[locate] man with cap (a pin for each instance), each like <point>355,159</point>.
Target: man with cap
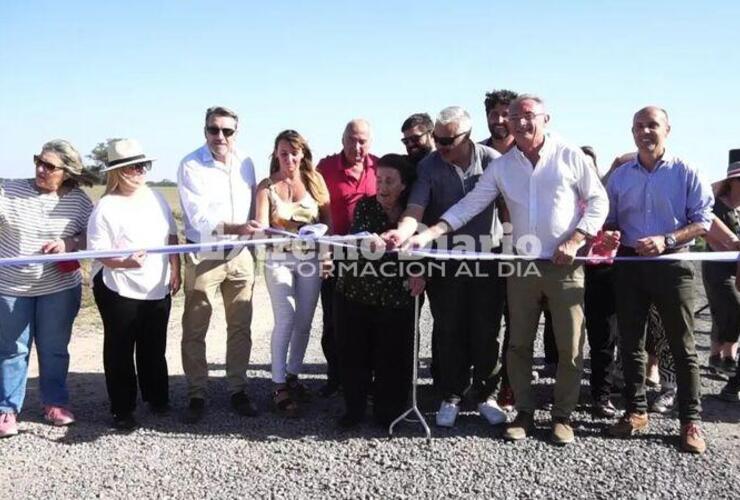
<point>658,205</point>
<point>217,185</point>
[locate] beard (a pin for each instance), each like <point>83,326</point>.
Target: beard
<point>419,153</point>
<point>499,133</point>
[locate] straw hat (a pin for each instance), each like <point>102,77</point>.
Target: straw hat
<point>733,169</point>
<point>123,152</point>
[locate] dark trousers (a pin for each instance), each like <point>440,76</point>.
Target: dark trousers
<point>133,326</point>
<point>328,336</point>
<point>599,308</point>
<point>670,286</point>
<point>467,314</point>
<point>374,340</point>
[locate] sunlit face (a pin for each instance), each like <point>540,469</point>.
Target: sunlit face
<point>289,157</point>
<point>356,143</point>
<point>220,132</point>
<point>135,175</point>
<point>527,123</point>
<point>498,120</point>
<point>50,173</point>
<point>450,142</point>
<point>389,186</point>
<point>418,142</point>
<point>650,130</point>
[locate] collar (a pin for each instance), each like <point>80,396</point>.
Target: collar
<point>206,157</point>
<point>665,159</point>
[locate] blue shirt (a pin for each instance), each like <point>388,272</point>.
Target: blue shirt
<point>644,203</point>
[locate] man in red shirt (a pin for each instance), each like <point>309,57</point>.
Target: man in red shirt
<point>350,176</point>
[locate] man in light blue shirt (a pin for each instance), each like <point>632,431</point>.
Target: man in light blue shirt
<point>658,205</point>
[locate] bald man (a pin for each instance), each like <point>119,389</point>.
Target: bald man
<point>658,205</point>
<point>349,176</point>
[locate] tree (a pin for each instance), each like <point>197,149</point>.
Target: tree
<point>99,156</point>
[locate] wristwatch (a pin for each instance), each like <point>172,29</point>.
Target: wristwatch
<point>670,241</point>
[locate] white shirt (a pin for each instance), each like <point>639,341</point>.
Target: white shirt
<point>212,192</point>
<point>547,203</point>
<point>141,220</point>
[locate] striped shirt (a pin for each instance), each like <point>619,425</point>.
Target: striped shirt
<point>28,219</point>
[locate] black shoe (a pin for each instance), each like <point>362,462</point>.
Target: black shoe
<point>329,390</point>
<point>159,409</point>
<point>604,408</point>
<point>349,421</point>
<point>242,405</point>
<point>195,410</point>
<point>125,422</point>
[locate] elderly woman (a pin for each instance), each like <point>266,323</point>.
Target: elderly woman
<point>292,196</point>
<point>39,302</point>
<point>133,292</point>
<point>374,312</point>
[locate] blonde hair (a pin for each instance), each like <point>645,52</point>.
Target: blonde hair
<point>113,180</point>
<point>309,175</point>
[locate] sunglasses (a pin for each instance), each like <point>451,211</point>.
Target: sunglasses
<point>49,167</point>
<point>412,139</point>
<point>228,132</point>
<point>448,141</point>
<point>139,168</point>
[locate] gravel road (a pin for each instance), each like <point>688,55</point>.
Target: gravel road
<point>228,457</point>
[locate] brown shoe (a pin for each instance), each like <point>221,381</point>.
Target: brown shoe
<point>692,439</point>
<point>562,432</point>
<point>520,427</point>
<point>629,425</point>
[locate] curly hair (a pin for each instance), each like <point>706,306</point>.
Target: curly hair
<point>496,97</point>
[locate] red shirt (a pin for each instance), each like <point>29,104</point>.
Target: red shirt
<point>344,190</point>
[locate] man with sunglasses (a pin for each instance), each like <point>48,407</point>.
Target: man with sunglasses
<point>349,176</point>
<point>217,185</point>
<point>417,136</point>
<point>543,181</point>
<point>466,299</point>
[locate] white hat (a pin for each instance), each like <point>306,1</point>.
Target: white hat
<point>123,152</point>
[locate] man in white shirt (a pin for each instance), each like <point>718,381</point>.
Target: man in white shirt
<point>217,186</point>
<point>556,200</point>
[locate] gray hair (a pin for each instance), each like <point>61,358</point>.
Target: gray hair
<point>71,162</point>
<point>528,97</point>
<point>355,122</point>
<point>221,111</point>
<point>456,114</point>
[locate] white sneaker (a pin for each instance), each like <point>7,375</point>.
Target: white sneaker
<point>492,412</point>
<point>447,414</point>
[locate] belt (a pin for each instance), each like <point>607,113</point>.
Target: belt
<point>625,251</point>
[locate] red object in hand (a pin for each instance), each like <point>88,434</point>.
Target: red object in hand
<point>599,253</point>
<point>68,266</point>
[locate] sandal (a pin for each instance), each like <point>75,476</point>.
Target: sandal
<point>283,402</point>
<point>297,390</point>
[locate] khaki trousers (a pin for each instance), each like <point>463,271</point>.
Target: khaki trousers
<point>234,276</point>
<point>562,286</point>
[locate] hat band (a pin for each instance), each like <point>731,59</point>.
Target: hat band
<point>125,160</point>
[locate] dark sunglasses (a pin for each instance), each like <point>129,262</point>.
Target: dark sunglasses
<point>49,167</point>
<point>447,141</point>
<point>139,168</point>
<point>413,139</point>
<point>228,132</point>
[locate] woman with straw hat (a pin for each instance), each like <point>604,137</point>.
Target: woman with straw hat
<point>133,293</point>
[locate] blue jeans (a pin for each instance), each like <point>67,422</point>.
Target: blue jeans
<point>48,320</point>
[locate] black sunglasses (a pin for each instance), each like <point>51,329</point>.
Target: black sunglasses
<point>228,132</point>
<point>49,167</point>
<point>413,139</point>
<point>448,141</point>
<point>139,168</point>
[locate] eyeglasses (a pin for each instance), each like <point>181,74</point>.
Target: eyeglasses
<point>413,139</point>
<point>228,132</point>
<point>527,117</point>
<point>139,168</point>
<point>49,167</point>
<point>448,141</point>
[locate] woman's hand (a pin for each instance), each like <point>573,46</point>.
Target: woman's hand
<point>54,246</point>
<point>135,260</point>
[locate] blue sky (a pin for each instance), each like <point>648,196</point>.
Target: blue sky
<point>86,71</point>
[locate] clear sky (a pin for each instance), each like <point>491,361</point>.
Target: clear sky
<point>89,70</point>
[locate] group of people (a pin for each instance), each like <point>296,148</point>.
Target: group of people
<point>522,190</point>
